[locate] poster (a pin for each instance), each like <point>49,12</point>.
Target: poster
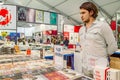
<point>60,23</point>
<point>53,18</point>
<point>21,13</point>
<point>66,35</point>
<point>7,17</point>
<point>68,28</point>
<point>30,15</point>
<point>58,57</point>
<point>47,17</point>
<point>39,18</point>
<point>71,38</point>
<point>118,18</point>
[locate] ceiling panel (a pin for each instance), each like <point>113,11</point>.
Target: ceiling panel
<point>112,8</point>
<point>105,2</point>
<point>70,7</point>
<point>17,2</point>
<point>54,2</point>
<point>37,5</point>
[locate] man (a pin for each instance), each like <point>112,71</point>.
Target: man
<point>66,42</point>
<point>96,39</point>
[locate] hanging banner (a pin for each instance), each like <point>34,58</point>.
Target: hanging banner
<point>71,38</point>
<point>7,17</point>
<point>30,17</point>
<point>47,17</point>
<point>113,25</point>
<point>53,18</point>
<point>66,35</point>
<point>60,23</point>
<point>21,13</point>
<point>118,18</point>
<point>68,28</point>
<point>39,18</point>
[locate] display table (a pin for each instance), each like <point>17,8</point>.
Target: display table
<point>35,70</point>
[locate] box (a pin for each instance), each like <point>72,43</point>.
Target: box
<point>115,62</point>
<point>100,73</point>
<point>113,74</point>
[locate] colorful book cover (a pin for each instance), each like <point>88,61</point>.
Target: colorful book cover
<point>56,76</point>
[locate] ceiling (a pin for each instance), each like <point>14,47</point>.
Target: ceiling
<point>70,8</point>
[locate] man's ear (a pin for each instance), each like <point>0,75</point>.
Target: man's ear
<point>91,12</point>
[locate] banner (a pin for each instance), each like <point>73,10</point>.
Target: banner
<point>47,17</point>
<point>39,18</point>
<point>30,17</point>
<point>53,18</point>
<point>7,17</point>
<point>21,13</point>
<point>58,57</point>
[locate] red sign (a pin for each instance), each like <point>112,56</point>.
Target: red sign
<point>5,17</point>
<point>113,25</point>
<point>76,28</point>
<point>66,35</point>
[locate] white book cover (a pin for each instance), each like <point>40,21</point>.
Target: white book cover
<point>100,73</point>
<point>113,74</point>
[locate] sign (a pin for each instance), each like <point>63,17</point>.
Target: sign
<point>53,18</point>
<point>68,28</point>
<point>66,35</point>
<point>118,18</point>
<point>39,18</point>
<point>47,17</point>
<point>58,57</point>
<point>100,73</point>
<point>30,17</point>
<point>60,23</point>
<point>21,13</point>
<point>58,49</point>
<point>7,17</point>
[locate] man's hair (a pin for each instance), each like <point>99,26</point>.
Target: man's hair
<point>90,7</point>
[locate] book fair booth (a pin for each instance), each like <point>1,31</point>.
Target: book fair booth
<point>37,51</point>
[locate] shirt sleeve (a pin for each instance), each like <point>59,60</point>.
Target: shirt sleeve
<point>111,43</point>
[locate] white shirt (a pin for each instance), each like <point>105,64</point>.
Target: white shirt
<point>98,40</point>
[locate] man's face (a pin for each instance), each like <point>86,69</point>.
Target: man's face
<point>85,15</point>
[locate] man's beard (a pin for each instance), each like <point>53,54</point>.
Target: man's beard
<point>87,21</point>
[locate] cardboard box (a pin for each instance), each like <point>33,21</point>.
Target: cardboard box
<point>113,74</point>
<point>100,73</point>
<point>115,62</point>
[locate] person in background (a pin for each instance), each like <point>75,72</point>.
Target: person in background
<point>78,47</point>
<point>66,42</point>
<point>96,39</point>
<point>57,41</point>
<point>48,41</point>
<point>40,37</point>
<point>33,40</point>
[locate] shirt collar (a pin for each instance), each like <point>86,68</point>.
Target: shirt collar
<point>95,22</point>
